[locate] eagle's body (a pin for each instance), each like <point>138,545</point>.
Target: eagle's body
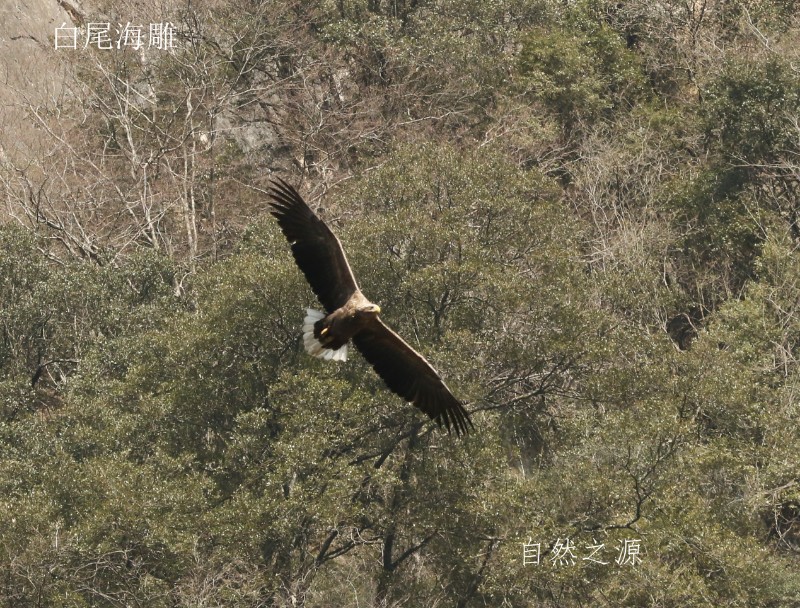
<point>351,316</point>
<point>335,330</point>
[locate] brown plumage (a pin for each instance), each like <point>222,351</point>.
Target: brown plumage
<point>320,257</point>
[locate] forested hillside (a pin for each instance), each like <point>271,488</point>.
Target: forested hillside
<point>585,214</point>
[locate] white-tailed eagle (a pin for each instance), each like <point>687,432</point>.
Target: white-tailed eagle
<point>350,316</point>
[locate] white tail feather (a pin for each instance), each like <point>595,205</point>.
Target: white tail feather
<point>313,346</point>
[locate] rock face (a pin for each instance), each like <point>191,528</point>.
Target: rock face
<point>30,72</point>
<point>33,21</point>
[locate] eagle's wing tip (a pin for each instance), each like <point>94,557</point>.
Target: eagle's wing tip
<point>458,423</point>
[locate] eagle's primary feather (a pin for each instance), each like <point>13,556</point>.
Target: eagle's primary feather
<point>320,257</point>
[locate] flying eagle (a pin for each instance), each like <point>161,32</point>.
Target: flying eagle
<point>350,316</point>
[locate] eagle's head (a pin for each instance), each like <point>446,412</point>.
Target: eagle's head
<point>370,310</point>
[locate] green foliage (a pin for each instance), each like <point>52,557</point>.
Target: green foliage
<point>727,234</point>
<point>533,192</point>
<point>749,110</point>
<point>581,70</point>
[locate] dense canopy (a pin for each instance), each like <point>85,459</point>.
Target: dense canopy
<point>585,213</point>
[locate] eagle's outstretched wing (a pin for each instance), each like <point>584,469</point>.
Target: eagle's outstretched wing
<point>316,249</point>
<point>410,375</point>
